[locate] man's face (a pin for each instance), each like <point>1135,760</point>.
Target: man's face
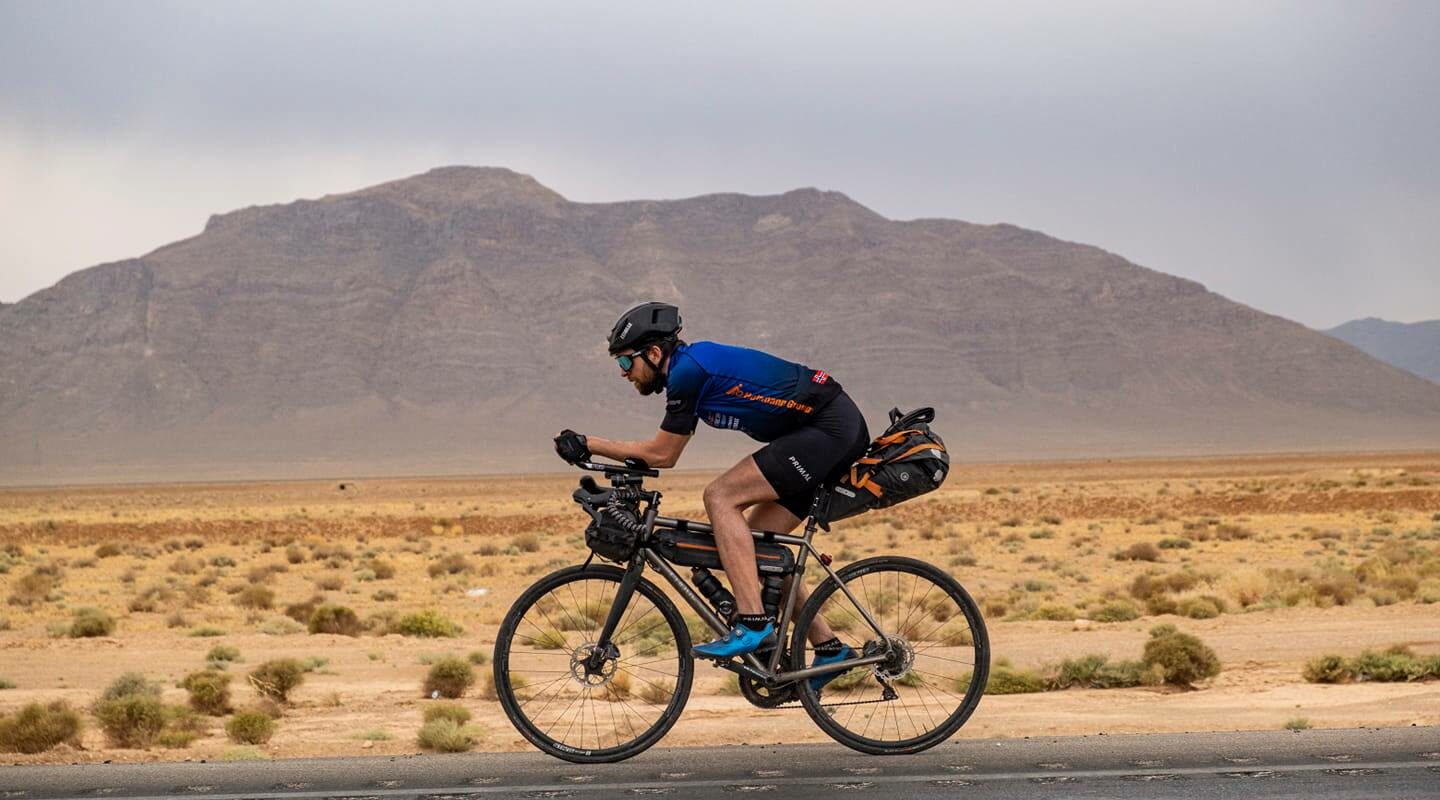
<point>640,374</point>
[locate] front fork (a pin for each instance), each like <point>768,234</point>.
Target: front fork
<point>604,648</point>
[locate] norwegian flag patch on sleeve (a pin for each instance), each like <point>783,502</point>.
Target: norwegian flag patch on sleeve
<point>820,376</point>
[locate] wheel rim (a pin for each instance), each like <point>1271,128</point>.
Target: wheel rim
<point>931,668</point>
<point>577,699</point>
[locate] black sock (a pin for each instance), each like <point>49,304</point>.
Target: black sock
<point>755,622</point>
<point>830,647</point>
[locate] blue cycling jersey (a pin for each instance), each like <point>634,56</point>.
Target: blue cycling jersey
<point>742,389</point>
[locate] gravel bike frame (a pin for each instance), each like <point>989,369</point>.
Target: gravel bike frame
<point>750,665</point>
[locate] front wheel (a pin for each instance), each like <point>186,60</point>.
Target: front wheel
<point>581,700</point>
<point>936,671</point>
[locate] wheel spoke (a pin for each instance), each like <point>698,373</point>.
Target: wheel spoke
<point>903,596</point>
<point>577,708</point>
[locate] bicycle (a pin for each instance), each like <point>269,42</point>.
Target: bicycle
<point>593,662</point>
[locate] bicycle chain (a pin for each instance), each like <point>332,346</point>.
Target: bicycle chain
<point>798,704</point>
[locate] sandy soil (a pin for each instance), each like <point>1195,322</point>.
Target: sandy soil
<point>1019,536</point>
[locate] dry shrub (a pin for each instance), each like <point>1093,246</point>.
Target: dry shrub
<point>444,736</point>
<point>1396,664</point>
<point>518,684</point>
<point>1096,671</point>
<point>1054,612</point>
<point>428,624</point>
<point>583,616</point>
<point>383,569</point>
<point>303,611</point>
<point>130,720</point>
<point>186,566</point>
<point>33,588</point>
<point>131,683</point>
<point>330,583</point>
<point>1152,584</point>
<point>1140,551</point>
<point>1115,611</point>
<point>222,654</point>
<point>152,599</point>
<point>1328,669</point>
<point>109,550</point>
<point>1005,678</point>
<point>209,691</point>
<point>526,543</point>
<point>1247,585</point>
<point>657,693</point>
<point>258,597</point>
<point>276,678</point>
<point>250,727</point>
<point>1200,606</point>
<point>335,619</point>
<point>91,622</point>
<point>956,634</point>
<point>1182,658</point>
<point>449,677</point>
<point>38,727</point>
<point>264,573</point>
<point>454,712</point>
<point>548,639</point>
<point>182,727</point>
<point>1334,587</point>
<point>618,688</point>
<point>294,554</point>
<point>1228,532</point>
<point>452,564</point>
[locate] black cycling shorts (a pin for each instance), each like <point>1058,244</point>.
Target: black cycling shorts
<point>821,451</point>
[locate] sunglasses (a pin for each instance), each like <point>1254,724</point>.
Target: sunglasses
<point>628,360</point>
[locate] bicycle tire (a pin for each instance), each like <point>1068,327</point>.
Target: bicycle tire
<point>979,648</point>
<point>542,737</point>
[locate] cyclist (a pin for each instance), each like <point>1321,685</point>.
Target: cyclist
<point>813,432</point>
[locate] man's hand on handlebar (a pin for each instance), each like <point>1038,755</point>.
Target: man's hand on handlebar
<point>572,447</point>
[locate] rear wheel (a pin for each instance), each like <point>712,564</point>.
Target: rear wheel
<point>939,657</point>
<point>576,700</point>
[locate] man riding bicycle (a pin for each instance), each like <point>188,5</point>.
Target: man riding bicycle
<point>812,429</point>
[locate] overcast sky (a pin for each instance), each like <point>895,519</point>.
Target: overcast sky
<point>1282,153</point>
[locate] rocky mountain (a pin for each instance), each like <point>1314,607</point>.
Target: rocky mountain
<point>451,321</point>
<point>1412,346</point>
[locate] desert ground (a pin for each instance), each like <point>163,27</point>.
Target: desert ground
<point>1284,558</point>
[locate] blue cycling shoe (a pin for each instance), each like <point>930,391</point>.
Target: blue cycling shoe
<point>818,682</point>
<point>739,641</point>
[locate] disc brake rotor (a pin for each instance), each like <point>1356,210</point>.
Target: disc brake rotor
<point>591,666</point>
<point>902,658</point>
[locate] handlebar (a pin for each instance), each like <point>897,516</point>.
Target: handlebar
<point>633,467</point>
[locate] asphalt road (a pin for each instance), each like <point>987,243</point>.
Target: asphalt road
<point>1315,765</point>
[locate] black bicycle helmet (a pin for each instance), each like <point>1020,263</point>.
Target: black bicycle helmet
<point>644,324</point>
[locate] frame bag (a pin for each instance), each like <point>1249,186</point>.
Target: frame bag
<point>906,461</point>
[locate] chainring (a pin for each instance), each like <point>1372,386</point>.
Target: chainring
<point>762,696</point>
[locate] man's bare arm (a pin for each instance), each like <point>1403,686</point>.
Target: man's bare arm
<point>662,451</point>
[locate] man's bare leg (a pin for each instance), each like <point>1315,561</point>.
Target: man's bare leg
<point>771,516</point>
<point>726,499</point>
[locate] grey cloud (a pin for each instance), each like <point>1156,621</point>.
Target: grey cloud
<point>1255,147</point>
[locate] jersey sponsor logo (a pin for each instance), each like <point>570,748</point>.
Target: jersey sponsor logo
<point>794,462</point>
<point>820,376</point>
<point>674,405</point>
<point>715,420</point>
<point>738,390</point>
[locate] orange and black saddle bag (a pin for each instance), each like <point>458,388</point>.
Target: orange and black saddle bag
<point>906,461</point>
